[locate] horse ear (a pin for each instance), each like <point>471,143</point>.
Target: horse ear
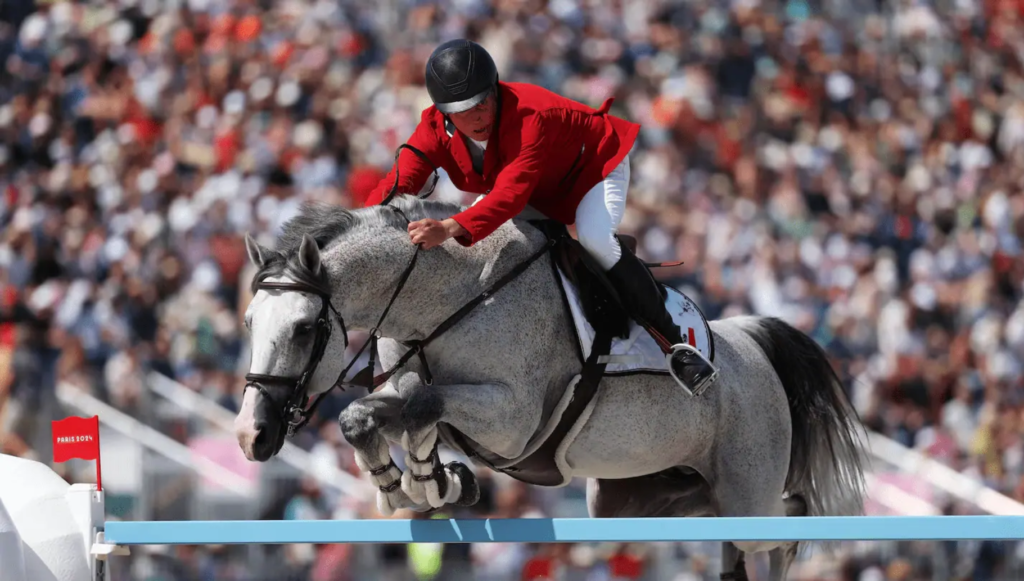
<point>257,254</point>
<point>309,254</point>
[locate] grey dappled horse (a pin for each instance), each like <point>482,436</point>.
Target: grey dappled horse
<point>773,436</point>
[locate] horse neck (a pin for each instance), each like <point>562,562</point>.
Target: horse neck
<point>365,271</point>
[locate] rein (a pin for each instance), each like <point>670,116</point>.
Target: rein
<point>297,411</point>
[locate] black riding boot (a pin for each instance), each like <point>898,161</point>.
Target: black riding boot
<point>644,299</point>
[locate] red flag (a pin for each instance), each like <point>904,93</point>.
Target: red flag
<point>78,438</point>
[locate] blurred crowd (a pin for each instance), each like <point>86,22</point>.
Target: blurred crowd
<point>853,167</point>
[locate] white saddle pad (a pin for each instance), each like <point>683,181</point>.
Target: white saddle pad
<point>639,352</point>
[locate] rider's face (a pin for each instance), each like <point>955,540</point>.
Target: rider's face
<point>478,121</point>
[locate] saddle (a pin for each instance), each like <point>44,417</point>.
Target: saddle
<point>601,302</point>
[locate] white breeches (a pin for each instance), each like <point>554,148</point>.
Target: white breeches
<point>598,215</point>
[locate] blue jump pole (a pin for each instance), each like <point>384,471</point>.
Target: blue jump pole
<point>567,530</point>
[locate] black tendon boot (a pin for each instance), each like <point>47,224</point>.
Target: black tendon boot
<point>644,299</point>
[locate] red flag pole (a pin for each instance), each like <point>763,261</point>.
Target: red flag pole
<point>99,471</point>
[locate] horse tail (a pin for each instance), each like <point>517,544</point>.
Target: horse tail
<point>826,465</point>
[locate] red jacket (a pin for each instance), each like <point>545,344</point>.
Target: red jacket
<point>546,151</point>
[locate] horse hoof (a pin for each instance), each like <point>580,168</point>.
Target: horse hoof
<point>385,504</point>
<point>389,502</point>
<point>425,481</point>
<point>470,494</point>
<point>416,491</point>
<point>423,508</point>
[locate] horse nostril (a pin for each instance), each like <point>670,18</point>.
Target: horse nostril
<point>261,439</point>
<point>261,435</point>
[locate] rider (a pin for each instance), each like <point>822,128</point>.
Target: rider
<point>520,144</point>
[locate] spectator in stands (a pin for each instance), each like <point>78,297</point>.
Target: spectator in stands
<point>854,168</point>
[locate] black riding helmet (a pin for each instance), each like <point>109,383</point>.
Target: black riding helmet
<point>460,74</point>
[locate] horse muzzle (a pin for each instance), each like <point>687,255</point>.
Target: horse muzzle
<point>263,423</point>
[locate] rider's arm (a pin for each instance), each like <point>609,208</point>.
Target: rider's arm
<point>513,187</point>
<point>412,171</point>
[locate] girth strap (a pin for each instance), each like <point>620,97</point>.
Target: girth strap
<point>540,468</point>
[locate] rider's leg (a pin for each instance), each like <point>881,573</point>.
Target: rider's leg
<point>597,221</point>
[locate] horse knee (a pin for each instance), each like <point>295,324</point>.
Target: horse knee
<point>423,409</point>
<point>358,425</point>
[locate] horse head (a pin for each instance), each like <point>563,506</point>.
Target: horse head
<point>292,324</point>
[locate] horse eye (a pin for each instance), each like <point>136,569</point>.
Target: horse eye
<point>304,329</point>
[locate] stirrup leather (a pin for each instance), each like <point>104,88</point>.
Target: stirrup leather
<point>702,384</point>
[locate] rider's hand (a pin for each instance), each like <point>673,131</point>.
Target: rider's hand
<point>431,233</point>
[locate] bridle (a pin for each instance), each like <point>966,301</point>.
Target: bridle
<point>296,410</point>
<point>293,411</point>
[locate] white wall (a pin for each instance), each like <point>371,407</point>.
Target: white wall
<point>11,556</point>
<point>53,548</point>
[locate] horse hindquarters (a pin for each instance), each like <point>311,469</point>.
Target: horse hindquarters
<point>737,436</point>
<point>739,431</point>
<point>826,465</point>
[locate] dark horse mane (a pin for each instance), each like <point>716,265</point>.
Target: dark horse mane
<point>326,223</point>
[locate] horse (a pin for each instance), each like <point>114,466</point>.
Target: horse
<point>774,436</point>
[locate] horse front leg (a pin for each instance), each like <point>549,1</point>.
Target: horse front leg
<point>363,424</point>
<point>426,480</point>
<point>486,413</point>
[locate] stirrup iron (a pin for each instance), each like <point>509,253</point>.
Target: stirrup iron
<point>703,383</point>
